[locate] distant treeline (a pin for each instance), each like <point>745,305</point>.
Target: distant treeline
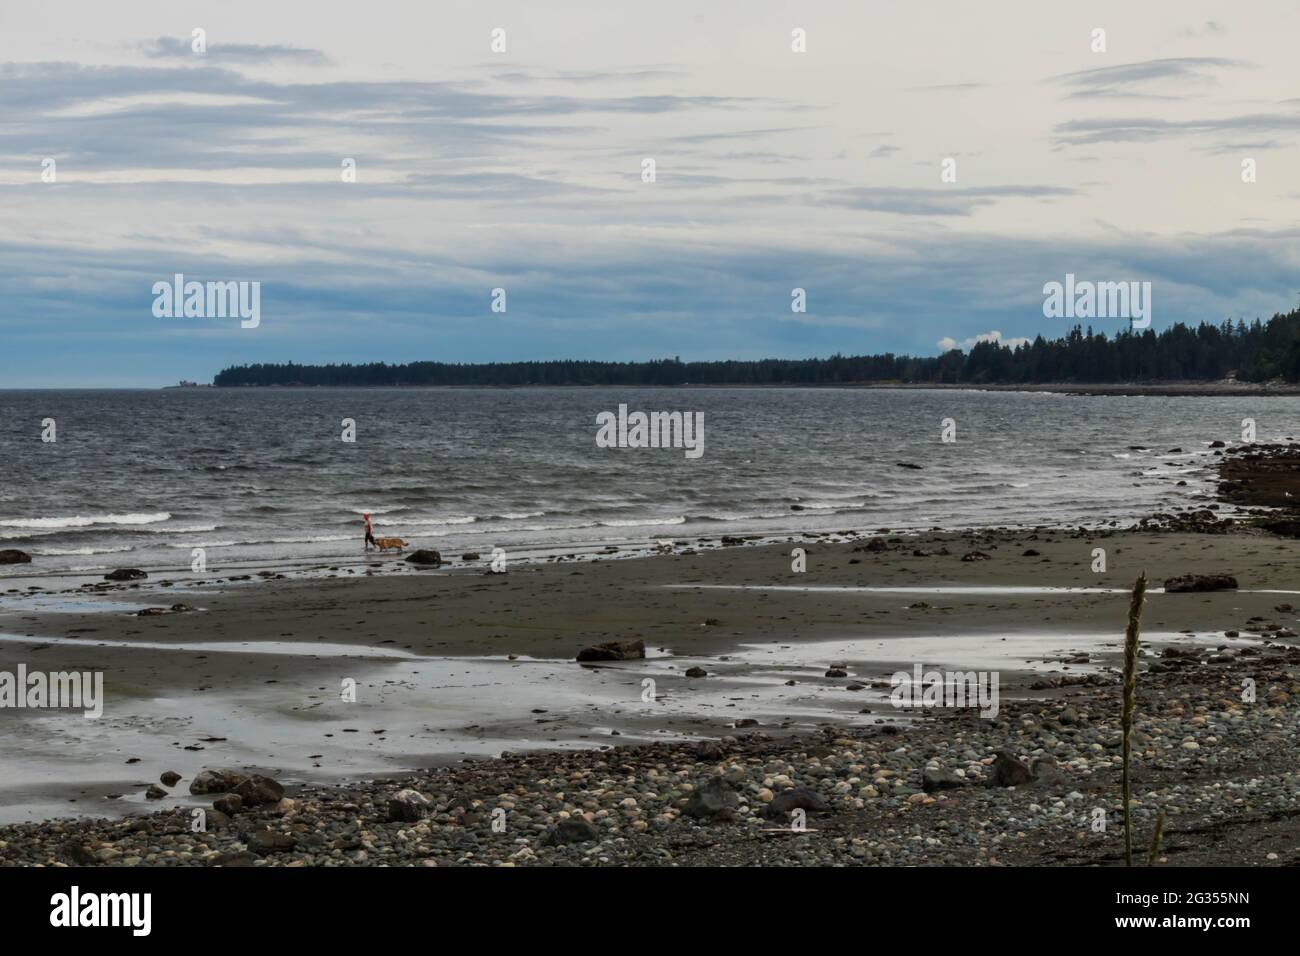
<point>1257,352</point>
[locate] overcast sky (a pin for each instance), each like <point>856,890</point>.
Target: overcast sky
<point>522,170</point>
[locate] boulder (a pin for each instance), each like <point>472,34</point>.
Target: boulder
<point>426,556</point>
<point>156,611</point>
<point>975,556</point>
<point>170,778</point>
<point>470,556</point>
<point>796,798</point>
<point>216,781</point>
<point>1047,774</point>
<point>125,574</point>
<point>155,792</point>
<point>712,800</point>
<point>572,830</point>
<point>258,790</point>
<point>613,651</point>
<point>228,805</point>
<point>407,806</point>
<point>1201,582</point>
<point>696,672</point>
<point>708,750</point>
<point>932,780</point>
<point>14,556</point>
<point>270,841</point>
<point>1008,771</point>
<point>217,820</point>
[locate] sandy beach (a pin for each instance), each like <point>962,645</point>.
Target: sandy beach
<point>459,662</point>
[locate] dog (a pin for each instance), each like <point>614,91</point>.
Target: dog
<point>397,544</point>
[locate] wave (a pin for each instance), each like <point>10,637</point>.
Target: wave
<point>310,539</point>
<point>81,521</point>
<point>425,522</point>
<point>640,522</point>
<point>58,552</point>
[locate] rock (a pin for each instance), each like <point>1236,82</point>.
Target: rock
<point>216,781</point>
<point>1030,553</point>
<point>1009,771</point>
<point>613,651</point>
<point>270,841</point>
<point>708,750</point>
<point>425,556</point>
<point>258,790</point>
<point>407,806</point>
<point>14,556</point>
<point>170,778</point>
<point>932,780</point>
<point>572,830</point>
<point>235,858</point>
<point>155,792</point>
<point>470,556</point>
<point>837,672</point>
<point>745,722</point>
<point>796,798</point>
<point>156,611</point>
<point>79,853</point>
<point>975,556</point>
<point>696,672</point>
<point>1046,773</point>
<point>1201,582</point>
<point>125,574</point>
<point>1217,444</point>
<point>228,805</point>
<point>908,465</point>
<point>712,800</point>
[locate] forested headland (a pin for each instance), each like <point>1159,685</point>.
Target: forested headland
<point>1255,352</point>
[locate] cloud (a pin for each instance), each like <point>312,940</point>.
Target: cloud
<point>947,344</point>
<point>952,201</point>
<point>1170,78</point>
<point>1148,129</point>
<point>175,48</point>
<point>1208,28</point>
<point>945,88</point>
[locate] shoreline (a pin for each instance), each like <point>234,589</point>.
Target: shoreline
<point>456,672</point>
<point>458,663</point>
<point>1189,389</point>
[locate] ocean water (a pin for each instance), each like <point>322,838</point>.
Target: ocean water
<point>262,478</point>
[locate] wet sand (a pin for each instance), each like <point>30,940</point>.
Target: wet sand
<point>261,665</point>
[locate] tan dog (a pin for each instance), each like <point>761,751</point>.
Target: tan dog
<point>397,544</point>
